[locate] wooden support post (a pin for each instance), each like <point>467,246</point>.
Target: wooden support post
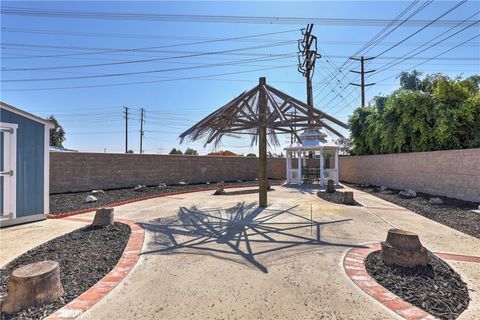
<point>262,146</point>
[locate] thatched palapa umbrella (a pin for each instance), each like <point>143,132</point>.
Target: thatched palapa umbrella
<point>260,112</point>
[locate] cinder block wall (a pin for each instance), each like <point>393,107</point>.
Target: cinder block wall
<point>452,173</point>
<point>77,171</point>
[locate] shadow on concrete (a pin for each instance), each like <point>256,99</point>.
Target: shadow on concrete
<point>244,231</point>
<point>312,188</point>
<point>240,192</point>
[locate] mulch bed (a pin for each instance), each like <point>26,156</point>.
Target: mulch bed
<point>335,197</point>
<point>436,288</point>
<point>453,213</point>
<point>68,202</point>
<point>85,256</point>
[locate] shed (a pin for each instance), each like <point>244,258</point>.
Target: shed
<point>24,166</point>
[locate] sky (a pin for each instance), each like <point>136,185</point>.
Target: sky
<point>83,62</point>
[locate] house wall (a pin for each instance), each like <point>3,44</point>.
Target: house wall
<point>30,163</point>
<point>452,173</point>
<point>77,171</point>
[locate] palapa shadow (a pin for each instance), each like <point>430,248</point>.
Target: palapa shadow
<point>240,225</point>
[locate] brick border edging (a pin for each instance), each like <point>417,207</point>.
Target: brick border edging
<point>121,203</point>
<point>354,266</point>
<point>89,298</point>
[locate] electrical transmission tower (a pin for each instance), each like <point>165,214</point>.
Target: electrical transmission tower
<point>362,72</point>
<point>142,120</point>
<point>307,55</point>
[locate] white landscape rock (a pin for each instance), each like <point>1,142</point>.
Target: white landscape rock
<point>239,180</point>
<point>97,191</point>
<point>140,188</point>
<point>90,199</point>
<point>183,183</point>
<point>208,182</point>
<point>435,200</point>
<point>408,193</point>
<point>162,185</point>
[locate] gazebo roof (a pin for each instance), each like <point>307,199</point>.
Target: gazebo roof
<point>242,116</point>
<point>312,140</point>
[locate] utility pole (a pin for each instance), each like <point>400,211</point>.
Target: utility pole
<point>362,72</point>
<point>307,55</point>
<point>142,113</point>
<point>126,128</point>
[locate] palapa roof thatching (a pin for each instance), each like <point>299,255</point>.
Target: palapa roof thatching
<point>241,116</point>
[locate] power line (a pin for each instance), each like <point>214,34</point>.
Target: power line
<point>110,75</point>
<point>432,58</point>
<point>122,16</point>
<point>382,34</point>
<point>283,43</point>
<point>146,82</point>
<point>424,27</point>
<point>180,38</point>
<point>406,56</point>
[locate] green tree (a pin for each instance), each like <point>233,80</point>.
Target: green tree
<point>190,152</point>
<point>410,80</point>
<point>433,113</point>
<point>345,144</point>
<point>57,134</point>
<point>175,151</point>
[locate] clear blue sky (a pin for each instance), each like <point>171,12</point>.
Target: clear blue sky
<point>92,114</point>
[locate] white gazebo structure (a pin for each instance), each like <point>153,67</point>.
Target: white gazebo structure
<point>312,142</point>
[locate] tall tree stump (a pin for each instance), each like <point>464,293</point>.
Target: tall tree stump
<point>220,188</point>
<point>348,198</point>
<point>403,248</point>
<point>330,186</point>
<point>33,285</point>
<point>103,217</point>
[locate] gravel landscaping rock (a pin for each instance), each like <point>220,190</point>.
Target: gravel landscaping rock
<point>409,193</point>
<point>335,197</point>
<point>454,213</point>
<point>89,199</point>
<point>140,188</point>
<point>435,288</point>
<point>85,256</point>
<point>435,200</point>
<point>68,202</point>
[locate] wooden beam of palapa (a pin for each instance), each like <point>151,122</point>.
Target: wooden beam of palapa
<point>304,105</point>
<point>281,115</point>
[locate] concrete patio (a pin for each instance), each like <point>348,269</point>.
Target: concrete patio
<point>220,257</point>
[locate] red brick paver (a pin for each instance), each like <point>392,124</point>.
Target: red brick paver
<point>355,269</point>
<point>86,300</point>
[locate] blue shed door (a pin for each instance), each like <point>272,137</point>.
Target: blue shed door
<point>8,156</point>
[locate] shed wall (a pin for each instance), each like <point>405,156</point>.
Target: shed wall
<point>30,163</point>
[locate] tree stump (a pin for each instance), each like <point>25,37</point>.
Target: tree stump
<point>33,285</point>
<point>330,186</point>
<point>403,248</point>
<point>348,198</point>
<point>103,217</point>
<point>220,188</point>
